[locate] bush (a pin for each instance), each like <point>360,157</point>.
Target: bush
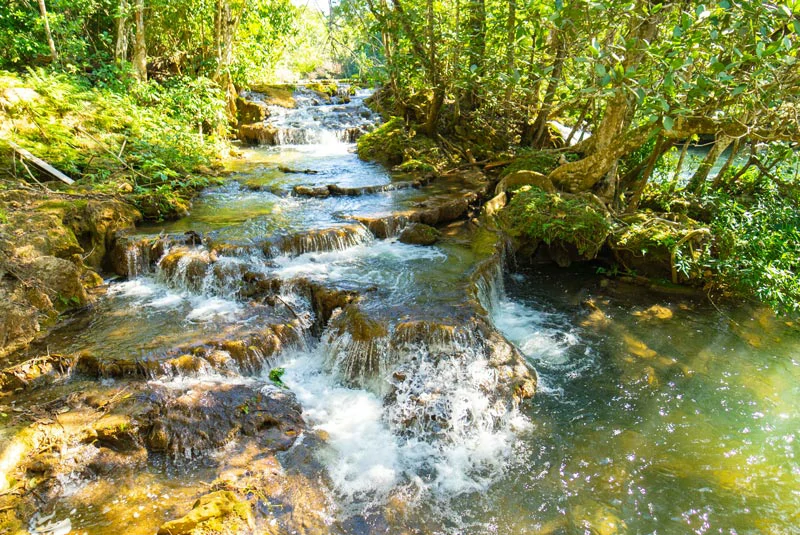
<point>757,249</point>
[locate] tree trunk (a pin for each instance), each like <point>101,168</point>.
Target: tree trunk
<point>139,44</point>
<point>724,169</point>
<point>613,139</point>
<point>677,176</point>
<point>539,129</point>
<point>121,45</point>
<point>434,76</point>
<point>47,33</point>
<point>583,174</point>
<point>698,181</point>
<point>659,149</point>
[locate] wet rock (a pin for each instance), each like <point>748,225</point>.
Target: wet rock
<point>596,519</point>
<point>383,227</point>
<point>419,234</point>
<point>186,267</point>
<point>655,312</point>
<point>258,134</point>
<point>189,423</point>
<point>134,255</point>
<point>515,377</point>
<point>357,345</point>
<point>251,111</point>
<point>518,179</point>
<point>289,170</point>
<point>108,462</point>
<point>312,191</point>
<point>217,512</point>
<point>323,240</point>
<point>34,372</point>
<point>324,301</point>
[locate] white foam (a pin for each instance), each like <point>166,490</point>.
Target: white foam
<point>211,308</point>
<point>374,451</point>
<point>364,454</point>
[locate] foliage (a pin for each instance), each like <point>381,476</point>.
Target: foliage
<point>275,375</point>
<point>554,217</point>
<point>148,138</point>
<point>757,248</point>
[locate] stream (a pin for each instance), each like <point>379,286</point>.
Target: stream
<point>653,413</point>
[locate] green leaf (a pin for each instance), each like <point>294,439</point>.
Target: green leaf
<point>668,122</point>
<point>600,69</point>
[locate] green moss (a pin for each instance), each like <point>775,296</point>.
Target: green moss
<point>549,217</point>
<point>326,89</point>
<point>542,161</point>
<point>386,144</point>
<point>413,165</point>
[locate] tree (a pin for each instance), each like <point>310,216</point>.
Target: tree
<point>48,34</point>
<point>139,43</point>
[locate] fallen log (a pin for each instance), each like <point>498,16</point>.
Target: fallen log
<point>40,164</point>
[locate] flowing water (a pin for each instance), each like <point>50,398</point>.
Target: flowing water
<point>653,414</point>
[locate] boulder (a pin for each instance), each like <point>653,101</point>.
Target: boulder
<point>419,234</point>
<point>258,134</point>
<point>189,423</point>
<point>251,111</point>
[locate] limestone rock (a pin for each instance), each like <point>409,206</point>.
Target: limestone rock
<point>419,234</point>
<point>251,111</point>
<point>61,280</point>
<point>258,134</point>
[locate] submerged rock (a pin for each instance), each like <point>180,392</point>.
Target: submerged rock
<point>217,512</point>
<point>419,234</point>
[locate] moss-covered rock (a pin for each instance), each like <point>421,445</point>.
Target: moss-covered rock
<point>161,206</point>
<point>419,234</point>
<point>250,111</point>
<point>276,95</point>
<point>534,216</point>
<point>386,144</point>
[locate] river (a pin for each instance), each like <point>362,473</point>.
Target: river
<point>654,413</point>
